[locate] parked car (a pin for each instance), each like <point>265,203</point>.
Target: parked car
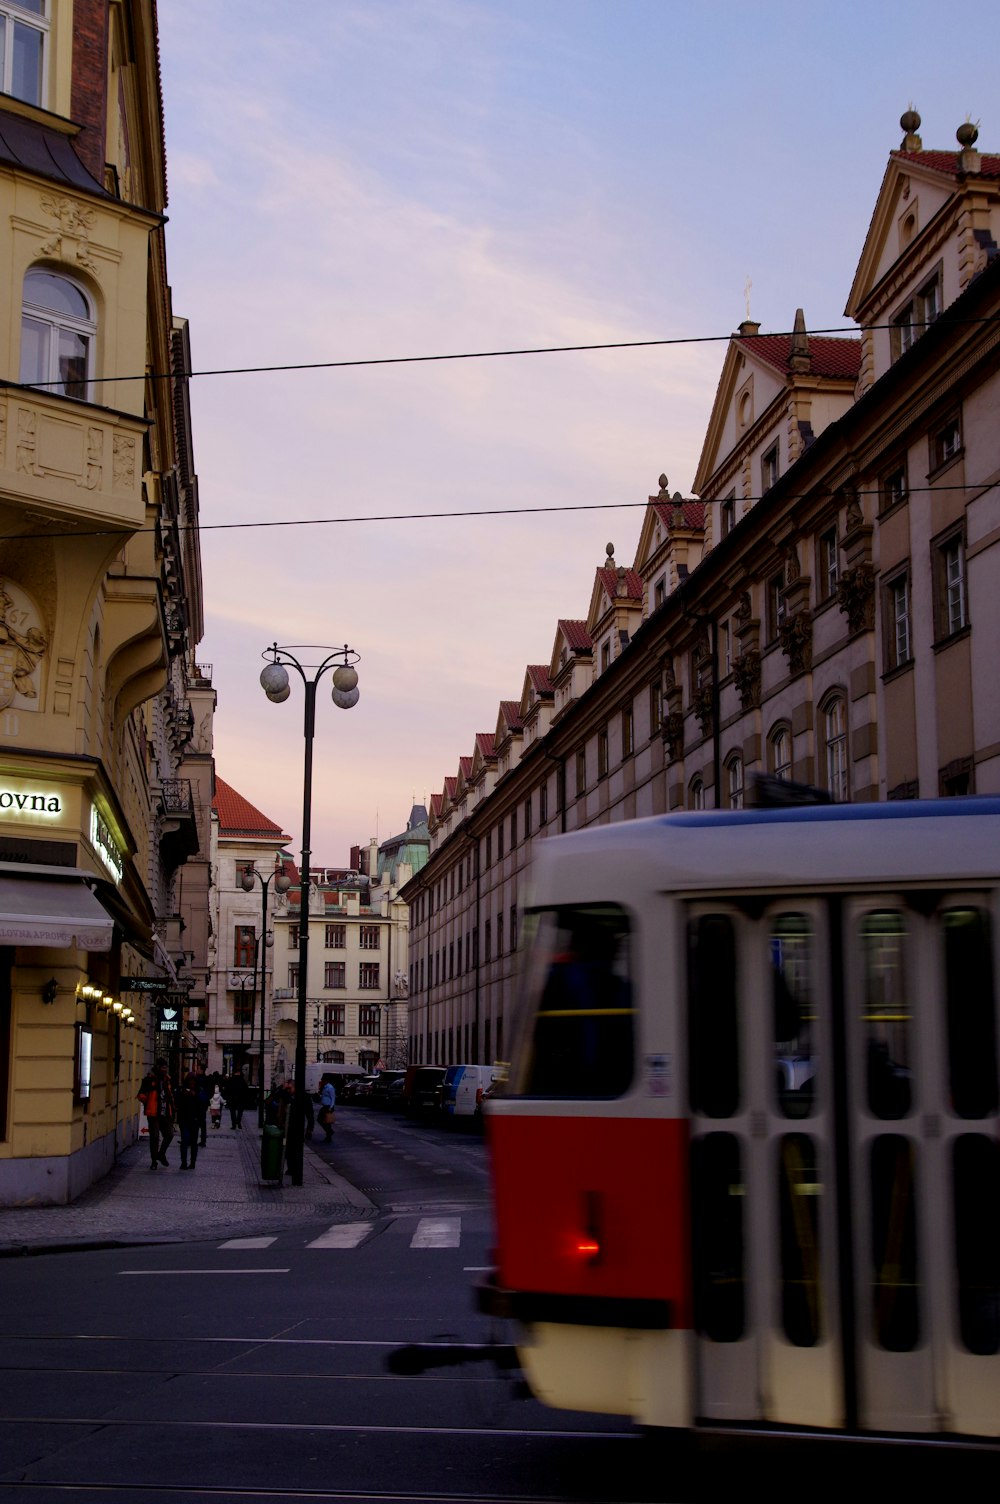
<point>424,1099</point>
<point>356,1090</point>
<point>378,1096</point>
<point>394,1095</point>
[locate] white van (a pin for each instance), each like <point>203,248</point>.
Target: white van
<point>463,1088</point>
<point>317,1069</point>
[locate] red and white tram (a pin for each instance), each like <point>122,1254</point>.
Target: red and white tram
<point>746,1168</point>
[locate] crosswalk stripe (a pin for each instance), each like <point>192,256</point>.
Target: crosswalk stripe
<point>345,1235</point>
<point>249,1243</point>
<point>437,1232</point>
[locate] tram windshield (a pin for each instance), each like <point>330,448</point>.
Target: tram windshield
<point>577,1029</point>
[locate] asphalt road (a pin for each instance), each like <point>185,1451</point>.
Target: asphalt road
<point>259,1368</point>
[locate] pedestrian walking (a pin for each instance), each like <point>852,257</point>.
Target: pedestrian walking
<point>189,1120</point>
<point>156,1093</point>
<point>235,1092</point>
<point>215,1106</point>
<point>294,1124</point>
<point>203,1091</point>
<point>327,1103</point>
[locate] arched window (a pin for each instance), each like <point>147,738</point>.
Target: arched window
<point>835,748</point>
<point>57,335</point>
<point>696,794</point>
<point>780,748</point>
<point>734,781</point>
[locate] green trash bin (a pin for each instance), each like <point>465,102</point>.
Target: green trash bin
<point>272,1152</point>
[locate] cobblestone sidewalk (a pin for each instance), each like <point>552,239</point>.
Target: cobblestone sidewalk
<point>223,1195</point>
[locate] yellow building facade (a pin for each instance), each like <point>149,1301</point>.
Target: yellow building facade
<point>105,716</point>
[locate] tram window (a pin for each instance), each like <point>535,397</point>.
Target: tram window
<point>713,1023</point>
<point>895,1279</point>
<point>582,1039</point>
<point>976,1191</point>
<point>794,1015</point>
<point>717,1193</point>
<point>799,1196</point>
<point>886,1015</point>
<point>972,1034</point>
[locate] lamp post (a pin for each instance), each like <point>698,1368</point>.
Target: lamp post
<point>282,883</point>
<point>247,980</point>
<point>274,681</point>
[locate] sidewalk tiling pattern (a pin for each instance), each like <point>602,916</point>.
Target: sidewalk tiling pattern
<point>224,1194</point>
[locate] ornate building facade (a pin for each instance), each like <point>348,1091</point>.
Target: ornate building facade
<point>105,714</point>
<point>824,610</point>
<point>358,984</point>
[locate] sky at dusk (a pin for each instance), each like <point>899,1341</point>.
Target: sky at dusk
<point>355,179</point>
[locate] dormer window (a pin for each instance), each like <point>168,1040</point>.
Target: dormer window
<point>605,656</point>
<point>727,515</point>
<point>659,592</point>
<point>911,320</point>
<point>23,29</point>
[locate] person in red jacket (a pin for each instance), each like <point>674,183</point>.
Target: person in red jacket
<point>156,1093</point>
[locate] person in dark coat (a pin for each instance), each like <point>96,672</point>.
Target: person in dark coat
<point>189,1120</point>
<point>234,1089</point>
<point>203,1090</point>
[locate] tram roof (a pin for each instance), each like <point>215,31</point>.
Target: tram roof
<point>819,846</point>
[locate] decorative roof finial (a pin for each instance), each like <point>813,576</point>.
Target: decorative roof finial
<point>663,483</point>
<point>609,562</point>
<point>909,122</point>
<point>799,357</point>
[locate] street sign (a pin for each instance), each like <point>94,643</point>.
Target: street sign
<point>156,984</point>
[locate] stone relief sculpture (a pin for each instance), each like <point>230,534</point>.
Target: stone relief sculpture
<point>73,222</point>
<point>26,440</point>
<point>123,461</point>
<point>22,645</point>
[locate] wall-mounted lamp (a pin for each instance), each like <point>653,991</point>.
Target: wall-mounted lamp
<point>50,991</point>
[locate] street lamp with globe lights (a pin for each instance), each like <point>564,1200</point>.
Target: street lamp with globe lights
<point>282,883</point>
<point>275,684</point>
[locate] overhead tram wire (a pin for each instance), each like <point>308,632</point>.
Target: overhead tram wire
<point>389,360</point>
<point>402,360</point>
<point>583,506</point>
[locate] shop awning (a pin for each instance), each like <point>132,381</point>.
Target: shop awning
<point>61,914</point>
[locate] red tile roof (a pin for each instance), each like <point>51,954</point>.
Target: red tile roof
<point>538,673</point>
<point>576,635</point>
<point>484,742</point>
<point>465,766</point>
<point>511,712</point>
<point>238,817</point>
<point>436,800</point>
<point>450,785</point>
<point>830,356</point>
<point>948,161</point>
<point>692,513</point>
<point>632,583</point>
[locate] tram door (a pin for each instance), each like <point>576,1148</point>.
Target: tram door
<point>844,1273</point>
